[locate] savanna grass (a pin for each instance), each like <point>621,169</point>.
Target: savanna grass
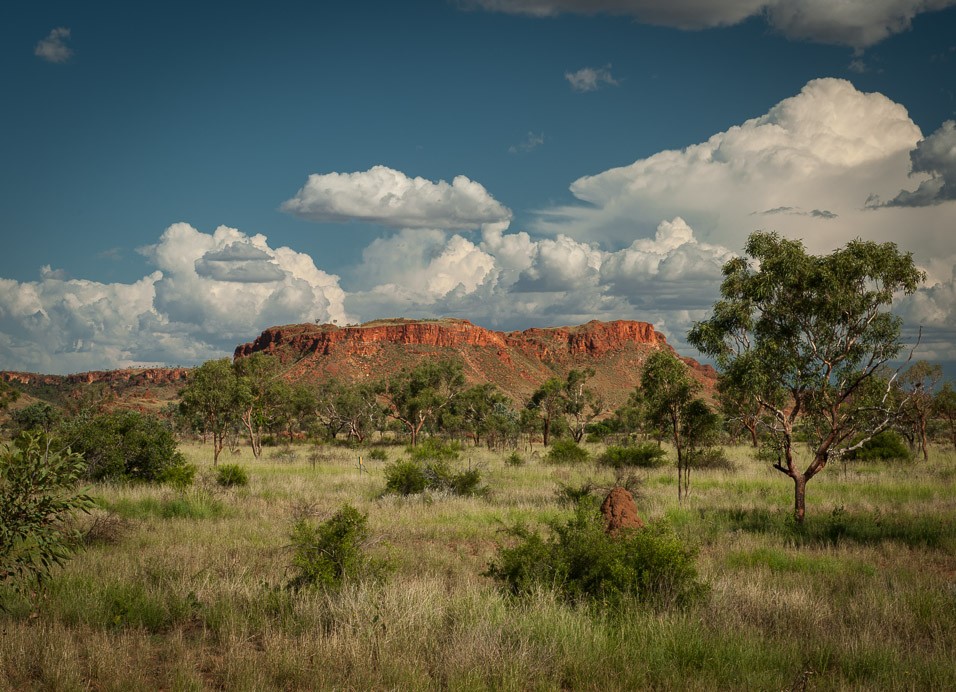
<point>190,594</point>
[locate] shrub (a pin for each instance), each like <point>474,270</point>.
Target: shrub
<point>432,448</point>
<point>37,497</point>
<point>377,454</point>
<point>583,563</point>
<point>327,554</point>
<point>574,495</point>
<point>231,476</point>
<point>566,452</point>
<point>709,459</point>
<point>122,445</point>
<point>883,446</point>
<point>180,477</point>
<point>408,477</point>
<point>647,456</point>
<point>514,459</point>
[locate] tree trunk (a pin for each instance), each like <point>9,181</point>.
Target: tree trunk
<point>922,438</point>
<point>218,440</point>
<point>799,497</point>
<point>753,435</point>
<point>547,430</point>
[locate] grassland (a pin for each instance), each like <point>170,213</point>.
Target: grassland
<point>184,590</point>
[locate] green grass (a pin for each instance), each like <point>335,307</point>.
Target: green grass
<point>188,594</point>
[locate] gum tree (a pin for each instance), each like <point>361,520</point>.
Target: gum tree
<point>809,338</point>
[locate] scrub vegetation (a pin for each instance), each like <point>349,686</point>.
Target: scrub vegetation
<point>192,588</point>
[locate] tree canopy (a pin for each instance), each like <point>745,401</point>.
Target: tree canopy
<point>807,337</point>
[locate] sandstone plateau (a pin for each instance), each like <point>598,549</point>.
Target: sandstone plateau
<point>517,362</point>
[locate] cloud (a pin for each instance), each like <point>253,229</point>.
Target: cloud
<point>809,163</point>
<point>512,281</point>
<point>936,157</point>
<point>590,78</point>
<point>856,23</point>
<point>388,197</point>
<point>815,213</point>
<point>208,293</point>
<point>53,48</point>
<point>531,142</point>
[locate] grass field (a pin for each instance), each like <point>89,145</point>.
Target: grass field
<point>184,590</point>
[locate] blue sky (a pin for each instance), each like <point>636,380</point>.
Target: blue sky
<point>179,176</point>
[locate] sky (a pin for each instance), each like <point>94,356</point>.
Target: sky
<point>176,177</point>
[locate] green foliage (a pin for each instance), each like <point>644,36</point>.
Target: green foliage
<point>417,397</point>
<point>122,445</point>
<point>377,454</point>
<point>326,554</point>
<point>38,416</point>
<point>232,476</point>
<point>709,459</point>
<point>583,563</point>
<point>432,448</point>
<point>884,446</point>
<point>573,494</point>
<point>647,455</point>
<point>411,477</point>
<point>210,401</point>
<point>405,477</point>
<point>566,452</point>
<point>514,459</point>
<point>37,497</point>
<point>179,477</point>
<point>807,337</point>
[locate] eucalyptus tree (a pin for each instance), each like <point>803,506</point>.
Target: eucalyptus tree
<point>918,384</point>
<point>417,397</point>
<point>211,400</point>
<point>671,405</point>
<point>808,337</point>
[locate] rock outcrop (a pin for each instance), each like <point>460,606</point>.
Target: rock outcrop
<point>517,362</point>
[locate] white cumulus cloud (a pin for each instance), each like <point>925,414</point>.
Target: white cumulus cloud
<point>53,48</point>
<point>208,293</point>
<point>388,197</point>
<point>805,168</point>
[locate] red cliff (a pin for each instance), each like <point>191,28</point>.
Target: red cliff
<point>517,362</point>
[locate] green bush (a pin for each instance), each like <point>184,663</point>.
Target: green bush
<point>514,459</point>
<point>409,477</point>
<point>573,495</point>
<point>327,554</point>
<point>566,451</point>
<point>646,456</point>
<point>582,563</point>
<point>433,449</point>
<point>885,446</point>
<point>180,477</point>
<point>709,459</point>
<point>37,497</point>
<point>377,454</point>
<point>231,476</point>
<point>404,477</point>
<point>122,445</point>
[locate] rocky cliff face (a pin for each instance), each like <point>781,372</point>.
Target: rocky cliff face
<point>133,377</point>
<point>517,362</point>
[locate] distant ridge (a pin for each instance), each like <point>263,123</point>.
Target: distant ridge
<point>517,362</point>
